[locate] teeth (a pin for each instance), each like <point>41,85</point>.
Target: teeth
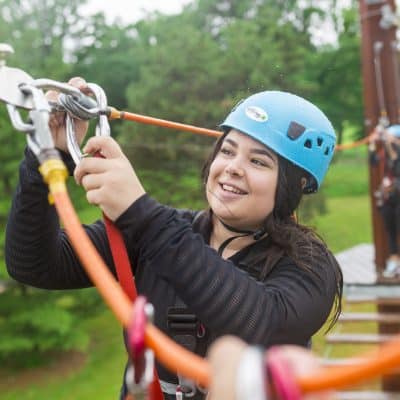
<point>232,189</point>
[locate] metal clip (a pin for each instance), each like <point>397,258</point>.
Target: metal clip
<point>186,388</point>
<point>39,138</point>
<point>76,108</point>
<point>140,373</point>
<point>20,90</point>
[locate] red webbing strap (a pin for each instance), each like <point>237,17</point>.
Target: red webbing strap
<point>121,259</point>
<point>127,282</point>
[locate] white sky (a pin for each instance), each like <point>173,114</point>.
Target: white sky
<point>129,11</point>
<point>132,10</point>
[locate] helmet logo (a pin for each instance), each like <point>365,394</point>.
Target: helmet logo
<point>256,113</point>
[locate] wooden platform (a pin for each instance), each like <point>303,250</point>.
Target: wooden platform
<point>379,294</point>
<point>367,395</point>
<point>381,318</point>
<point>357,338</point>
<point>358,264</point>
<point>362,285</point>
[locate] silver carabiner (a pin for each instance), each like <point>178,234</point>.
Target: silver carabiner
<point>102,126</point>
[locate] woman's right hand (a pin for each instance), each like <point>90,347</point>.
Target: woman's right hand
<point>57,119</point>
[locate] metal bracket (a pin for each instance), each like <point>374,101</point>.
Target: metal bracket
<point>11,79</point>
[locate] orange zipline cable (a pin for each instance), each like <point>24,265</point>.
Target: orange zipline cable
<point>346,146</point>
<point>144,119</point>
<point>170,354</point>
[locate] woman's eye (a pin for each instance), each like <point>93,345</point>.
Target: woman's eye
<point>226,151</point>
<point>259,162</point>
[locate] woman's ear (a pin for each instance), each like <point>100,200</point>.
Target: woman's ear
<point>303,182</point>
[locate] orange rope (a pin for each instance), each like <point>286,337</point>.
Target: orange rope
<point>144,119</point>
<point>173,356</point>
<point>346,146</point>
<point>374,364</point>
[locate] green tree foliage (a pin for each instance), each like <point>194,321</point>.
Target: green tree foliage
<point>40,32</point>
<point>195,66</point>
<point>35,322</point>
<point>336,70</point>
<point>108,56</point>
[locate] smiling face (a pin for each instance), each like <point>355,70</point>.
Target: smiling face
<point>242,181</point>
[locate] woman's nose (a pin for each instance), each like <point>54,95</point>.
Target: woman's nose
<point>234,168</point>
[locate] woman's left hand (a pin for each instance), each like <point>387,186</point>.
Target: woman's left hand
<point>109,180</point>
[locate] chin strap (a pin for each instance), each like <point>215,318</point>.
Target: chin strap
<point>258,234</point>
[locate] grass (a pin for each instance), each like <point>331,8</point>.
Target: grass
<point>346,223</point>
<point>97,377</point>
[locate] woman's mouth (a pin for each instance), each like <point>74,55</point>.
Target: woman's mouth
<point>232,189</point>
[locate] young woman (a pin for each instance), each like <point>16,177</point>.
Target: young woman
<point>243,267</point>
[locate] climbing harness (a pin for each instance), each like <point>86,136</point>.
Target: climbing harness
<point>186,330</point>
<point>19,90</point>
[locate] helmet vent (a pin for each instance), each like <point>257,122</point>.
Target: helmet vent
<point>320,141</point>
<point>326,152</point>
<point>295,130</point>
<point>308,144</point>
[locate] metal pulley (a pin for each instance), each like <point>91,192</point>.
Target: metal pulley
<point>10,81</point>
<point>19,90</point>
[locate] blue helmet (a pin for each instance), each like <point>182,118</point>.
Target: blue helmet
<point>289,125</point>
<point>394,130</point>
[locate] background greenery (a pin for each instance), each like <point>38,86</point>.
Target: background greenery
<point>192,68</point>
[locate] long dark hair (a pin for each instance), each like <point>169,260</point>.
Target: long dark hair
<point>287,235</point>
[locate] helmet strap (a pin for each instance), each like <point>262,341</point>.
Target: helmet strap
<point>258,234</point>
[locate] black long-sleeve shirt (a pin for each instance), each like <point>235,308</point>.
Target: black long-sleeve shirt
<point>171,255</point>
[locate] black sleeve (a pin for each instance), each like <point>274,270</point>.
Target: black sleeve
<point>37,250</point>
<point>288,308</point>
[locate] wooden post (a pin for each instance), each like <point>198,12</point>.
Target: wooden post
<point>380,97</point>
<point>380,78</point>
